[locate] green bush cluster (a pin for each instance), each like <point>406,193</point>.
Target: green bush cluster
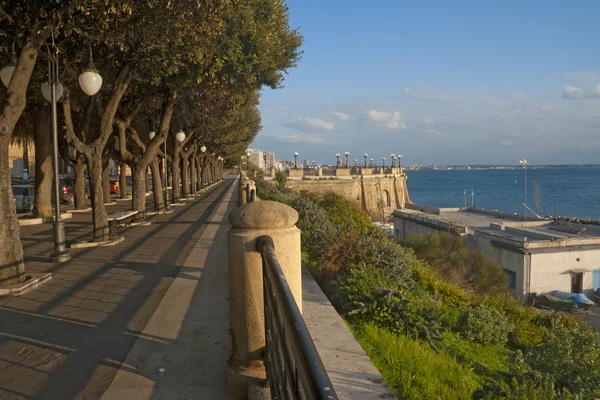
<point>484,325</point>
<point>435,317</point>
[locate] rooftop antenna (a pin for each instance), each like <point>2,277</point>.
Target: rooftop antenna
<point>554,198</point>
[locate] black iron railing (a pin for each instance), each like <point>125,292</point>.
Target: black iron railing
<point>294,368</point>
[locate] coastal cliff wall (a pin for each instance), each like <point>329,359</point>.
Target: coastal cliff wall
<point>378,195</point>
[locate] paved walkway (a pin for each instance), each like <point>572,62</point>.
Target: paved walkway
<point>182,353</point>
<point>68,338</point>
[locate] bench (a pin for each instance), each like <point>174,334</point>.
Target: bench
<point>118,221</point>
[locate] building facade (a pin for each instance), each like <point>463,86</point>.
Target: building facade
<point>538,256</point>
<point>257,158</point>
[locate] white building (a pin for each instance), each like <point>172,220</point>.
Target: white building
<point>269,160</point>
<point>539,256</point>
<point>257,158</point>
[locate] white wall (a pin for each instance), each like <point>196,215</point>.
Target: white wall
<point>550,271</point>
<point>510,260</point>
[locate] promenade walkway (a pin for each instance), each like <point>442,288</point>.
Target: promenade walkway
<point>100,316</point>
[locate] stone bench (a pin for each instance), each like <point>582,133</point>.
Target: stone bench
<point>120,220</point>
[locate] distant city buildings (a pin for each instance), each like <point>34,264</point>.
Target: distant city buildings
<point>256,158</point>
<point>270,161</point>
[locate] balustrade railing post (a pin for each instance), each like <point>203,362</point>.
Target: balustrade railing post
<point>243,194</point>
<point>246,369</point>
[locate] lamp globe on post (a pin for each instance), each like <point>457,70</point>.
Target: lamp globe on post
<point>295,160</point>
<point>400,162</point>
<point>90,80</point>
<point>393,156</point>
<point>371,162</point>
<point>347,153</point>
<point>365,157</point>
<point>383,162</point>
<point>7,72</point>
<point>180,136</point>
<point>337,163</point>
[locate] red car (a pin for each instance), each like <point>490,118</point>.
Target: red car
<point>114,186</point>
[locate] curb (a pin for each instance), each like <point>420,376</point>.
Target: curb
<point>21,288</point>
<point>84,245</point>
<point>43,220</point>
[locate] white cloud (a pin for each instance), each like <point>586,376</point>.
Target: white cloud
<point>303,138</point>
<point>436,132</point>
<point>507,143</point>
<point>340,115</point>
<point>385,119</point>
<point>428,121</point>
<point>572,92</point>
<point>406,90</point>
<point>310,124</point>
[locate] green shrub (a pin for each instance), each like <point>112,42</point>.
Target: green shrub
<point>344,213</point>
<point>452,258</point>
<point>571,354</point>
<point>412,369</point>
<point>281,179</point>
<point>317,230</point>
<point>485,325</point>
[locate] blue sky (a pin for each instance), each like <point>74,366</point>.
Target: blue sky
<point>440,82</point>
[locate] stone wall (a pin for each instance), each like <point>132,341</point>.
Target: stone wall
<point>378,195</point>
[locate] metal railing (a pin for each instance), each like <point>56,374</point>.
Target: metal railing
<point>294,368</point>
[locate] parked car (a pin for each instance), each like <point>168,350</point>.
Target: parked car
<point>114,186</point>
<point>66,187</point>
<point>24,195</point>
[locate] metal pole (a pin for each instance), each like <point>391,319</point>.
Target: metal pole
<point>472,198</point>
<point>166,166</point>
<point>465,197</point>
<point>60,254</point>
<point>525,204</point>
<point>555,198</point>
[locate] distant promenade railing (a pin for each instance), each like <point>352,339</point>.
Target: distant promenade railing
<point>294,368</point>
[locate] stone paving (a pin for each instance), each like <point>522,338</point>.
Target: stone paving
<point>68,338</point>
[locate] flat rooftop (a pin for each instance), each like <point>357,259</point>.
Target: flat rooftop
<point>502,225</point>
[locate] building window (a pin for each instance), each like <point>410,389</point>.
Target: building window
<point>512,279</point>
<point>387,199</point>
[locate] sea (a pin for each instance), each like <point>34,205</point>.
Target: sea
<point>574,191</point>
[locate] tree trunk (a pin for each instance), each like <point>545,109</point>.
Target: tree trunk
<point>43,162</point>
<point>25,144</point>
<point>12,268</point>
<point>176,178</point>
<point>199,174</point>
<point>147,178</point>
<point>98,210</point>
<point>194,175</point>
<point>139,190</point>
<point>106,184</point>
<point>123,181</point>
<point>80,200</point>
<point>186,176</point>
<point>159,201</point>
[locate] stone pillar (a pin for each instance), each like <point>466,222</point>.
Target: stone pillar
<point>242,195</point>
<point>272,172</point>
<point>319,171</point>
<point>250,221</point>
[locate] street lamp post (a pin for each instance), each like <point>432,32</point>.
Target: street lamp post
<point>347,154</point>
<point>371,162</point>
<point>248,160</point>
<point>355,162</point>
<point>337,163</point>
<point>523,162</point>
<point>295,160</point>
<point>60,253</point>
<point>399,162</point>
<point>393,156</point>
<point>365,156</point>
<point>202,150</point>
<point>313,162</point>
<point>383,162</point>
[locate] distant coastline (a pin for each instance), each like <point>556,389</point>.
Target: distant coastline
<point>484,167</point>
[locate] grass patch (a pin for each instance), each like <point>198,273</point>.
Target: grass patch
<point>413,369</point>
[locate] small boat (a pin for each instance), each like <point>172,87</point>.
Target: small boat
<point>579,298</point>
<point>547,301</point>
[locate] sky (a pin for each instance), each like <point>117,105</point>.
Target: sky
<point>440,82</point>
